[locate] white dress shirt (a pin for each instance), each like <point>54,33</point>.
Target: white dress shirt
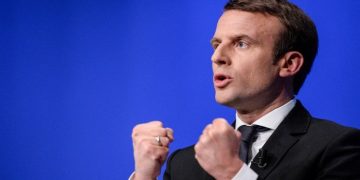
<point>270,120</point>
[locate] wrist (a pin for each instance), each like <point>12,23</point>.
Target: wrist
<point>231,171</point>
<point>139,176</point>
<point>235,168</point>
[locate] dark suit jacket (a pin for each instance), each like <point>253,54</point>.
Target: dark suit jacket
<point>301,148</point>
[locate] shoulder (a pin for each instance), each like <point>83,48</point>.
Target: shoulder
<point>340,156</point>
<point>334,140</point>
<point>331,130</point>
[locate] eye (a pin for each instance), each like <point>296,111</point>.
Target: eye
<point>242,44</point>
<point>214,45</point>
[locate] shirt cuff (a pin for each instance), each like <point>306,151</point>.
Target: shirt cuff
<point>245,173</point>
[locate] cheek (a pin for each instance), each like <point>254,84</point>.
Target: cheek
<point>256,73</point>
<point>246,72</point>
<point>265,75</point>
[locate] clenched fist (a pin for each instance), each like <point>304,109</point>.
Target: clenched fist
<point>217,150</point>
<point>151,146</point>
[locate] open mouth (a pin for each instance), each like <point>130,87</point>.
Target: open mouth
<point>220,77</point>
<point>221,80</point>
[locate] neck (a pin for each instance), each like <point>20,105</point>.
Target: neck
<point>250,116</point>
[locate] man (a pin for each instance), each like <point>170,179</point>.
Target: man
<point>263,51</point>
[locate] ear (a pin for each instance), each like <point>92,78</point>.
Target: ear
<point>291,63</point>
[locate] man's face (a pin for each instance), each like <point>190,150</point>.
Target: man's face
<point>243,61</point>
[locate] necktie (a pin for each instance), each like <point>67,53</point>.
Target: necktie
<point>249,135</point>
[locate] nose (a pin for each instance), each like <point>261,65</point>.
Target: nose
<point>221,56</point>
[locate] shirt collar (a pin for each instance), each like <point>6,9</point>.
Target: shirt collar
<point>272,119</point>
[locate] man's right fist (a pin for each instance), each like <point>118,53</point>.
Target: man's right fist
<point>151,146</point>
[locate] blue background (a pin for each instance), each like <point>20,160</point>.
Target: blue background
<point>77,75</point>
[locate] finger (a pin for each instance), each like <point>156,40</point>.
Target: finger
<point>165,141</point>
<point>170,134</point>
<point>197,149</point>
<point>203,139</point>
<point>148,125</point>
<point>207,129</point>
<point>149,131</point>
<point>157,132</point>
<point>222,126</point>
<point>155,123</point>
<point>196,157</point>
<point>162,141</point>
<point>153,140</point>
<point>220,122</point>
<point>149,148</point>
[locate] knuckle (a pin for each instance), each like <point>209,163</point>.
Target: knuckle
<point>203,139</point>
<point>197,148</point>
<point>219,121</point>
<point>135,136</point>
<point>139,126</point>
<point>169,130</point>
<point>163,132</point>
<point>208,129</point>
<point>208,126</point>
<point>216,121</point>
<point>165,141</point>
<point>137,139</point>
<point>138,129</point>
<point>156,123</point>
<point>135,131</point>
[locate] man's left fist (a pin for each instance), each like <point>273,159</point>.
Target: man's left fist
<point>217,150</point>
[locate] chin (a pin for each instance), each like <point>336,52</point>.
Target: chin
<point>226,101</point>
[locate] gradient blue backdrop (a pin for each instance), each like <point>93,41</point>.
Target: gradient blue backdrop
<point>77,75</point>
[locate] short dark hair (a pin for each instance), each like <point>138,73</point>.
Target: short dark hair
<point>300,32</point>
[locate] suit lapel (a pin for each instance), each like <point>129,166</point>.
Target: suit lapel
<point>281,141</point>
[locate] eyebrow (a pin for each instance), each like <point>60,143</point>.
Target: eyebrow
<point>245,37</point>
<point>214,40</point>
<point>235,37</point>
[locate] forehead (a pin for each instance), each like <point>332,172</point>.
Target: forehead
<point>258,26</point>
